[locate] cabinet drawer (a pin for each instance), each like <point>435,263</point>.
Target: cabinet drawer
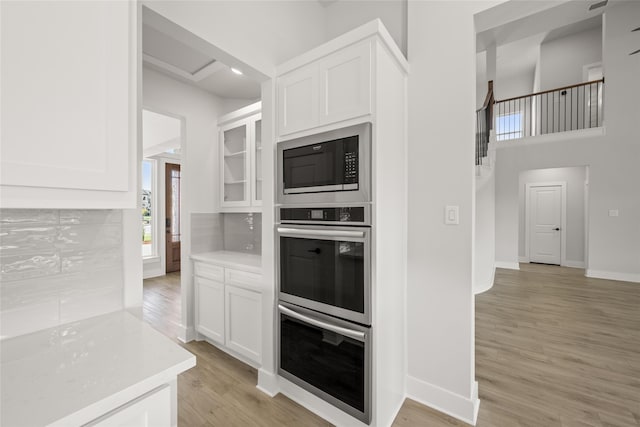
<point>243,279</point>
<point>213,272</point>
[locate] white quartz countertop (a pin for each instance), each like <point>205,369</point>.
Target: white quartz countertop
<point>71,374</point>
<point>238,260</point>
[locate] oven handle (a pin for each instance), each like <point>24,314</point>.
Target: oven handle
<point>356,335</point>
<point>321,233</point>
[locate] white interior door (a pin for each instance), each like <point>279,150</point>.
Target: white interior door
<point>545,216</point>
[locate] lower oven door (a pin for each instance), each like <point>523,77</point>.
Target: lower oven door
<point>328,357</point>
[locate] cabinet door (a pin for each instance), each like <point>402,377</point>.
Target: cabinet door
<point>209,297</point>
<point>256,160</point>
<point>298,100</point>
<point>243,323</point>
<point>345,84</point>
<point>68,96</point>
<point>234,155</point>
<point>150,410</point>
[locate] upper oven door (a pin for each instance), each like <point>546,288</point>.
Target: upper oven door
<point>326,269</point>
<point>327,167</point>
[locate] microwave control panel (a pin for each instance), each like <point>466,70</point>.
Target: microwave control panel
<point>351,167</point>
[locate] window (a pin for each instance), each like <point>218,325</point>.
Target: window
<point>509,126</point>
<point>149,214</point>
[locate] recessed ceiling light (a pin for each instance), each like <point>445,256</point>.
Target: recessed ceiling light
<point>599,4</point>
<point>236,71</point>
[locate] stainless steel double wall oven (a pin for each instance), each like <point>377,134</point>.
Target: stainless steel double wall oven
<point>324,266</point>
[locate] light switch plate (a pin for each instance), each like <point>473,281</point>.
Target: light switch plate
<point>452,215</point>
<point>613,212</point>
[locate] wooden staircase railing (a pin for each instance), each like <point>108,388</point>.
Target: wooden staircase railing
<point>484,124</point>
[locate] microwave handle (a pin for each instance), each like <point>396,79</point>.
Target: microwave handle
<point>356,335</point>
<point>321,233</point>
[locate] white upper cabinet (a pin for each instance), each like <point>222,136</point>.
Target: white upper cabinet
<point>331,89</point>
<point>69,104</point>
<point>298,100</point>
<point>241,159</point>
<point>345,84</point>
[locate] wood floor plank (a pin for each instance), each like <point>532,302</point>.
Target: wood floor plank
<point>553,348</point>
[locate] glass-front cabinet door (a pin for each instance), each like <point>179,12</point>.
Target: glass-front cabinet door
<point>256,190</point>
<point>240,141</point>
<point>235,167</point>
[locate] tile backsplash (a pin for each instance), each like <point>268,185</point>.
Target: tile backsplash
<point>238,232</point>
<point>206,232</point>
<point>58,266</point>
<point>243,232</point>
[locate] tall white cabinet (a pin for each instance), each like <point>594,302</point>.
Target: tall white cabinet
<point>69,112</point>
<point>241,160</point>
<point>356,78</point>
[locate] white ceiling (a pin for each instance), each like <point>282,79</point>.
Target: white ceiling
<point>185,59</point>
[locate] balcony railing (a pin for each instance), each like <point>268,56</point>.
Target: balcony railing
<point>559,110</point>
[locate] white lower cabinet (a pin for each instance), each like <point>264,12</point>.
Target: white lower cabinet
<point>229,313</point>
<point>243,314</point>
<point>150,410</point>
<point>210,308</point>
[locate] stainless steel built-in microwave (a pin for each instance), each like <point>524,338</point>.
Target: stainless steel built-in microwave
<point>328,167</point>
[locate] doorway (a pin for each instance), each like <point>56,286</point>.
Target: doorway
<point>553,216</point>
<point>162,136</point>
<point>546,222</point>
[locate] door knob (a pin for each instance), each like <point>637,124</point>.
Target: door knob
<point>557,229</point>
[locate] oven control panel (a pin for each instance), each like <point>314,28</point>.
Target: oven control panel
<point>331,215</point>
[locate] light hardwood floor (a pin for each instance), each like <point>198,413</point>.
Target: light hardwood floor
<point>553,348</point>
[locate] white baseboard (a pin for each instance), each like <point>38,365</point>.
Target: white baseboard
<point>483,287</point>
<point>186,334</point>
<point>268,383</point>
<point>613,275</point>
<point>152,267</point>
<point>573,264</point>
<point>523,259</point>
<point>508,265</point>
<point>460,407</point>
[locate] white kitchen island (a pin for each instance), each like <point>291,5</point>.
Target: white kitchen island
<point>112,369</point>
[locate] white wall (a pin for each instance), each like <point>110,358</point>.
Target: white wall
<point>536,74</point>
<point>613,242</point>
<point>514,85</point>
<point>481,78</point>
<point>199,180</point>
<point>561,60</point>
<point>257,34</point>
<point>485,233</point>
<point>229,104</point>
<point>345,15</point>
<point>575,177</point>
<point>440,302</point>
